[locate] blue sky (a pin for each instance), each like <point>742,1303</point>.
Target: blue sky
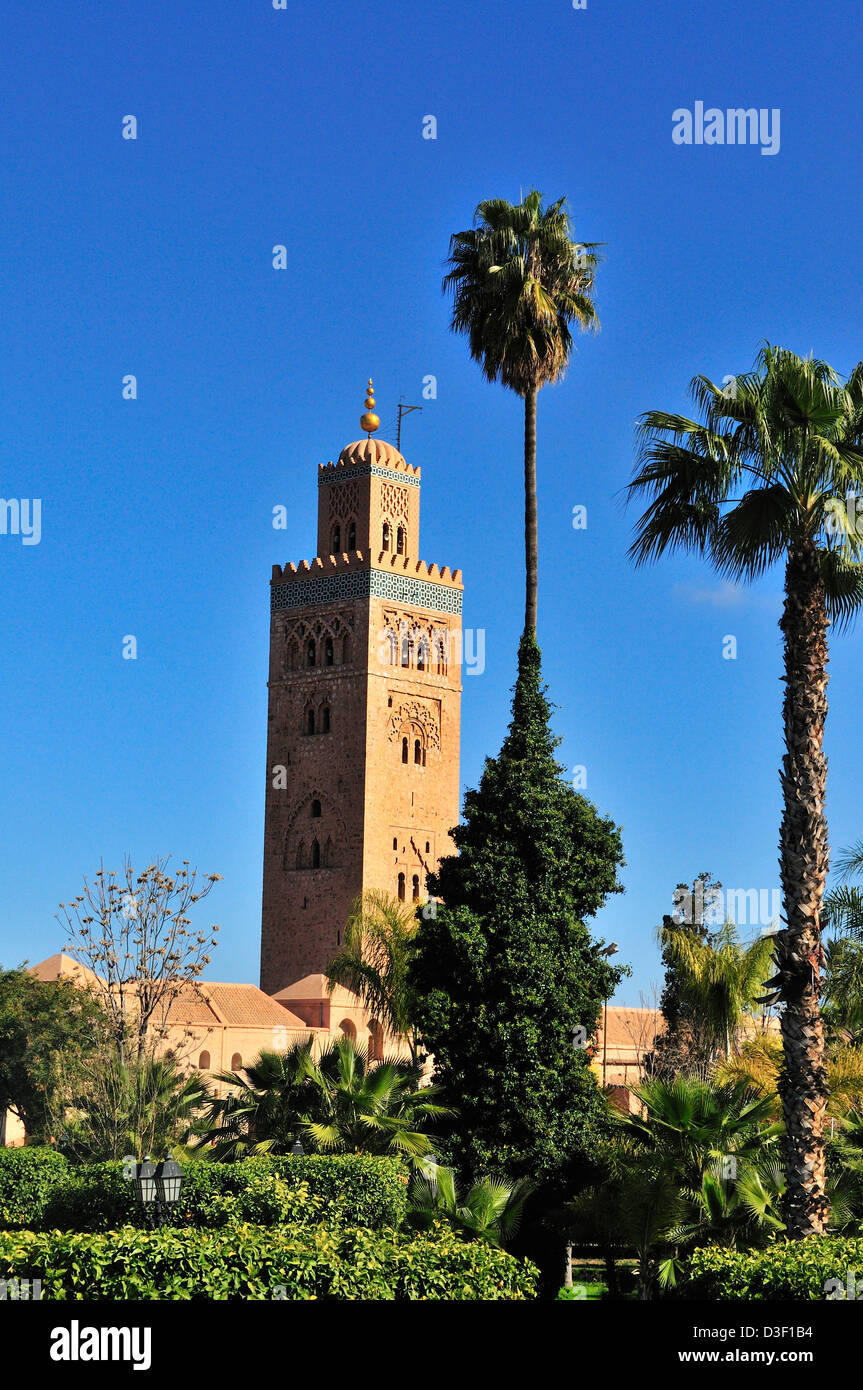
<point>257,127</point>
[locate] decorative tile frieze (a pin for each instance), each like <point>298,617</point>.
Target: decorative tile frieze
<point>399,588</point>
<point>365,470</point>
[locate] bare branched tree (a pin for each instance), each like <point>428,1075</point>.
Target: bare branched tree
<point>134,934</point>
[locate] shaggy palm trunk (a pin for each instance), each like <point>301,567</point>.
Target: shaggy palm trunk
<point>531,557</point>
<point>803,865</point>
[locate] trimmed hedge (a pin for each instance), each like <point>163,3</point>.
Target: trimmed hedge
<point>43,1191</point>
<point>29,1177</point>
<point>254,1263</point>
<point>798,1270</point>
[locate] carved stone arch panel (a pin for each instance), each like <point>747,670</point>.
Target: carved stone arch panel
<point>419,713</point>
<point>304,829</point>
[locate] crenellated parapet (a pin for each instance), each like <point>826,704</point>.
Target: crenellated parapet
<point>330,565</point>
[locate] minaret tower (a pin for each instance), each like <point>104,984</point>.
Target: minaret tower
<point>364,699</point>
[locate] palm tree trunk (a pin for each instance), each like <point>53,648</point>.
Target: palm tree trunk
<point>531,558</point>
<point>803,867</point>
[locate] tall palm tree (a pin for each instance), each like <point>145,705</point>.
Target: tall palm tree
<point>518,281</point>
<point>373,961</point>
<point>772,471</point>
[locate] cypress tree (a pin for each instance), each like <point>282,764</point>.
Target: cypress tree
<point>509,985</point>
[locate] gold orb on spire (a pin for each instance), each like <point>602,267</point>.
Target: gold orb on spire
<point>370,422</point>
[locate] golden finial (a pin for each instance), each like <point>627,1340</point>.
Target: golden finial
<point>369,422</point>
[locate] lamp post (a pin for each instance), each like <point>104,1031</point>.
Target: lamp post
<point>159,1186</point>
<point>297,1150</point>
<point>610,950</point>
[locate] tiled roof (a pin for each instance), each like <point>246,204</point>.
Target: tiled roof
<point>209,1005</point>
<point>58,967</point>
<point>246,1006</point>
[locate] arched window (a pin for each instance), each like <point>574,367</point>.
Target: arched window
<point>415,884</point>
<point>236,1062</point>
<point>422,653</point>
<point>310,721</point>
<point>393,644</point>
<point>401,888</point>
<point>204,1062</point>
<point>301,855</point>
<point>328,652</point>
<point>404,749</point>
<point>337,540</point>
<point>385,536</point>
<point>348,1029</point>
<point>406,651</point>
<point>316,808</point>
<point>376,1041</point>
<point>418,752</point>
<point>352,536</point>
<point>325,719</point>
<point>400,540</point>
<point>316,855</point>
<point>310,652</point>
<point>428,847</point>
<point>395,843</point>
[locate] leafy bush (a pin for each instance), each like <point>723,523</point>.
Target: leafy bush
<point>359,1189</point>
<point>789,1270</point>
<point>41,1191</point>
<point>92,1197</point>
<point>289,1262</point>
<point>28,1179</point>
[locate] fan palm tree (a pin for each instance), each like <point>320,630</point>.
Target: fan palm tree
<point>696,1125</point>
<point>373,961</point>
<point>772,472</point>
<point>491,1210</point>
<point>723,977</point>
<point>340,1103</point>
<point>518,282</point>
<point>263,1107</point>
<point>369,1109</point>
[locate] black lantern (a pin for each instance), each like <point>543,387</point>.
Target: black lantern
<point>159,1186</point>
<point>145,1179</point>
<point>169,1181</point>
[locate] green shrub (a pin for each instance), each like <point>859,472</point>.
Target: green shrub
<point>796,1270</point>
<point>46,1193</point>
<point>288,1262</point>
<point>93,1197</point>
<point>359,1189</point>
<point>29,1177</point>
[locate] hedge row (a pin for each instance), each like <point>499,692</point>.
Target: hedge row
<point>41,1190</point>
<point>29,1178</point>
<point>255,1263</point>
<point>822,1267</point>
